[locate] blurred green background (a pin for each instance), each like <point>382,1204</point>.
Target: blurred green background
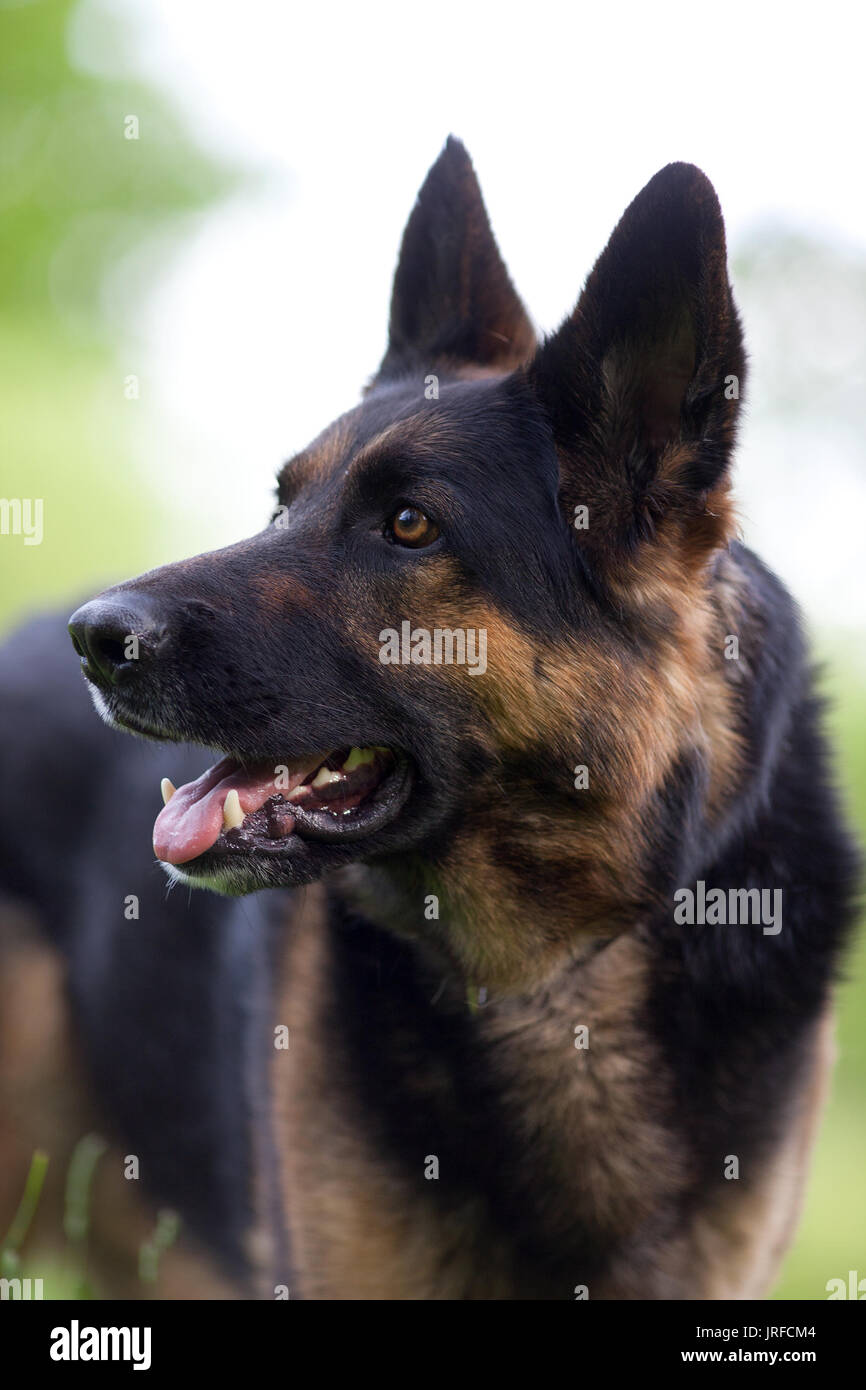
<point>79,201</point>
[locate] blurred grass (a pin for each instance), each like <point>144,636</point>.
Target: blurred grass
<point>77,201</point>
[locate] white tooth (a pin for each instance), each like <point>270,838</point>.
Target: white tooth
<point>168,790</point>
<point>324,777</point>
<point>233,816</point>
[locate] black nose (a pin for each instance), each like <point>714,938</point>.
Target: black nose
<point>114,637</point>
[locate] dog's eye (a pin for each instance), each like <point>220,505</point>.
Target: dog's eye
<point>412,527</point>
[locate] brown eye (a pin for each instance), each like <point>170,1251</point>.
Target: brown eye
<point>410,526</point>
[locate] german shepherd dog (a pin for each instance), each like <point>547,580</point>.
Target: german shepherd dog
<point>520,759</point>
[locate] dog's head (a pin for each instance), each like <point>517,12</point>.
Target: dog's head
<point>495,571</point>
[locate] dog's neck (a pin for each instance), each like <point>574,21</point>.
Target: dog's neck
<point>487,928</point>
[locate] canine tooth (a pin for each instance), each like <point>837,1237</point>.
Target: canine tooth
<point>233,816</point>
<point>358,757</point>
<point>325,776</point>
<point>168,790</point>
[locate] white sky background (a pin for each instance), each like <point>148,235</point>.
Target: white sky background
<point>269,320</point>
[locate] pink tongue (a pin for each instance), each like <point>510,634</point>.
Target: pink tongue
<point>193,819</point>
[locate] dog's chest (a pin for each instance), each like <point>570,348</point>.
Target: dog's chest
<point>533,1152</point>
<point>508,1152</point>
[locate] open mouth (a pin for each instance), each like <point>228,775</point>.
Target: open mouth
<point>237,809</point>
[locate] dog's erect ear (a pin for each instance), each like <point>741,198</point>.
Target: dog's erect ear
<point>453,302</point>
<point>641,384</point>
